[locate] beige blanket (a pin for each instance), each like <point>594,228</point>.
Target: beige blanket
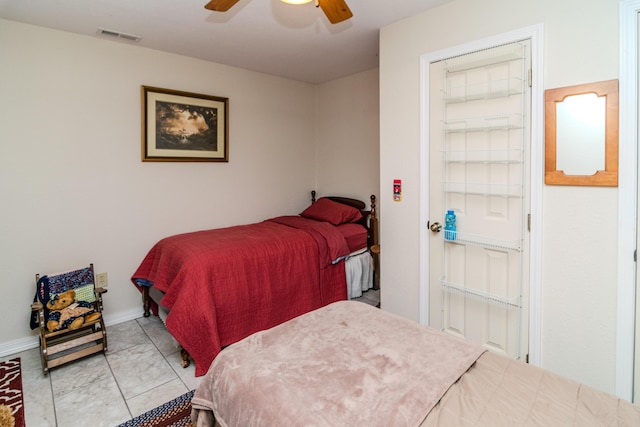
<point>498,391</point>
<point>347,364</point>
<point>352,365</point>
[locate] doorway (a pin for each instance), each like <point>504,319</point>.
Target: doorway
<point>484,162</point>
<point>628,321</point>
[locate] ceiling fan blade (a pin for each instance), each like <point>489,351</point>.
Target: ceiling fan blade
<point>336,10</point>
<point>220,5</point>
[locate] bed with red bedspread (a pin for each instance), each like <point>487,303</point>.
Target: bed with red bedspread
<point>225,284</point>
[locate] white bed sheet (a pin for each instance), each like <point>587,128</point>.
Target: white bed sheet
<point>359,270</point>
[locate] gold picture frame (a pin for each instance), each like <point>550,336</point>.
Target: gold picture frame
<point>183,126</point>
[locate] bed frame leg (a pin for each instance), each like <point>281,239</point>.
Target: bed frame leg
<point>185,358</point>
<point>145,301</point>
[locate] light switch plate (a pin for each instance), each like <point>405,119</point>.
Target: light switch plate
<point>102,280</point>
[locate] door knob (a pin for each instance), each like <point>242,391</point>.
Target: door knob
<point>436,227</point>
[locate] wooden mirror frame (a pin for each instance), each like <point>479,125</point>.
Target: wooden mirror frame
<point>605,178</point>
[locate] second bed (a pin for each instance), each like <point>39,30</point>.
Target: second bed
<point>219,286</point>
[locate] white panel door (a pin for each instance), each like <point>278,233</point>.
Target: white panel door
<point>479,143</point>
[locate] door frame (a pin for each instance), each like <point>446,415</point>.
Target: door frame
<point>627,199</point>
<point>536,168</point>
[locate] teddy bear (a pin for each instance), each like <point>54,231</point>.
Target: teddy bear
<point>66,312</point>
<point>6,417</point>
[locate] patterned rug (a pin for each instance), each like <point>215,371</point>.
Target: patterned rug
<point>176,413</point>
<point>11,389</point>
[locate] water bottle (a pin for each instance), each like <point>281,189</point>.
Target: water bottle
<point>450,225</point>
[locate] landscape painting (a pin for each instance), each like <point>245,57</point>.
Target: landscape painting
<point>183,126</point>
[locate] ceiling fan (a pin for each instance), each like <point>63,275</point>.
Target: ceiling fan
<point>336,10</point>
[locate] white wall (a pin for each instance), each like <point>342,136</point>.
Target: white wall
<point>73,189</point>
<point>349,135</point>
<point>579,224</point>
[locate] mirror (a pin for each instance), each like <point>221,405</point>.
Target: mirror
<point>582,134</point>
<point>580,127</point>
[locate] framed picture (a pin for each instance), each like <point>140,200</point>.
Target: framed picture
<point>184,127</point>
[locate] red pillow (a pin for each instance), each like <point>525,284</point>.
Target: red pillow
<point>332,212</point>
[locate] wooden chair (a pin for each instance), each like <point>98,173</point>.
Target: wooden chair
<point>63,339</point>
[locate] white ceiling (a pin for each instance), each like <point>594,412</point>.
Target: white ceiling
<point>268,36</point>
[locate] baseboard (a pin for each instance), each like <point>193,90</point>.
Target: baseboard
<point>114,319</point>
<point>19,345</point>
<point>27,343</point>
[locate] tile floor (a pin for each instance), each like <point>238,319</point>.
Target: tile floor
<point>140,371</point>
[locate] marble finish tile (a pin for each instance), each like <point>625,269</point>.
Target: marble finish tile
<point>139,369</point>
<point>170,349</point>
<point>98,403</point>
<point>79,373</point>
<point>147,401</point>
<point>371,297</point>
<point>36,390</point>
<point>159,335</point>
<point>125,335</point>
<point>188,374</point>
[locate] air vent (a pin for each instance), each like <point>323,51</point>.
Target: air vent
<point>118,35</point>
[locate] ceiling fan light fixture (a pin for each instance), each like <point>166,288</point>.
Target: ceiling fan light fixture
<point>335,10</point>
<point>296,1</point>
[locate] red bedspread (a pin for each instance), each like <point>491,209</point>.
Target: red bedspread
<point>225,284</point>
